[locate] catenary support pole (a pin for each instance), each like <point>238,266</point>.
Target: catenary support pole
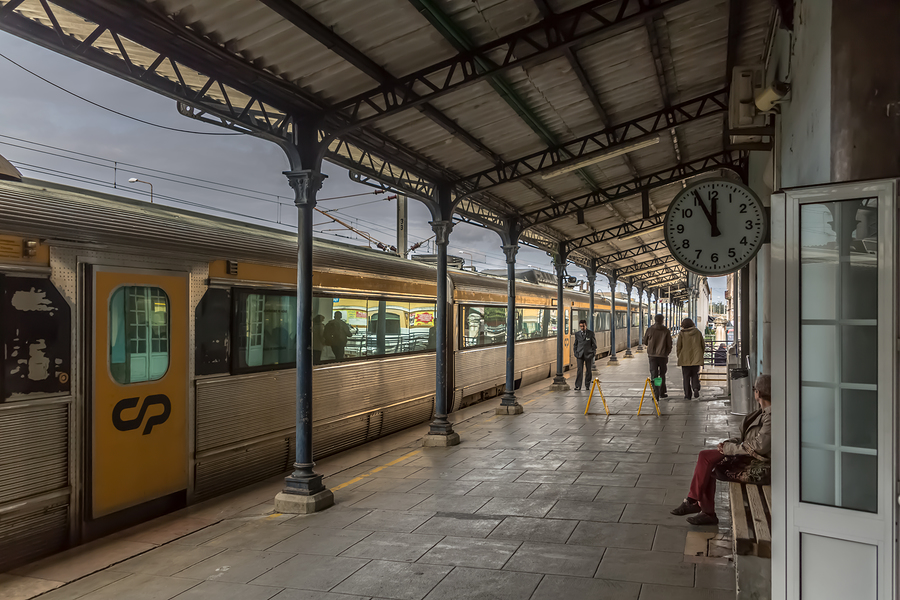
<point>559,382</point>
<point>628,319</point>
<point>441,432</point>
<point>508,403</point>
<point>613,281</point>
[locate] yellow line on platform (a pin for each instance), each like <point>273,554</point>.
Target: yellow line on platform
<point>375,470</point>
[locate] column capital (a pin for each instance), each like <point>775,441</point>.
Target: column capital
<point>305,183</point>
<point>510,250</point>
<point>560,263</point>
<point>629,286</point>
<point>442,231</point>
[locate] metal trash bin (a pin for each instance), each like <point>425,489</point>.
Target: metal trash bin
<point>741,396</point>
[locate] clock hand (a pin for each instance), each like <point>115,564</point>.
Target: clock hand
<point>710,216</point>
<point>715,218</point>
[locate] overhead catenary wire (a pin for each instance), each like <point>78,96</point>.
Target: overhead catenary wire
<point>116,112</point>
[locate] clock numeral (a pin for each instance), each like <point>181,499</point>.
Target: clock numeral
<point>743,241</point>
<point>743,209</point>
<point>699,252</point>
<point>714,257</point>
<point>685,243</point>
<point>729,198</point>
<point>680,229</point>
<point>731,252</point>
<point>687,213</point>
<point>749,225</point>
<point>714,195</point>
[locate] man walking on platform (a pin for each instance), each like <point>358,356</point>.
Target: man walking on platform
<point>690,357</point>
<point>585,349</point>
<point>658,341</point>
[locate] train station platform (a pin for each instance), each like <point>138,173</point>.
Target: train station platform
<point>548,504</point>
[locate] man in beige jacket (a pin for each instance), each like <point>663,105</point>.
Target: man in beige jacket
<point>689,350</point>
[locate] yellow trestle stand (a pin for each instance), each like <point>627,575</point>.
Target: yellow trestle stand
<point>652,395</point>
<point>596,384</point>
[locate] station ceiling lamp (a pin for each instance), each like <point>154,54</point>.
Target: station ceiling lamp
<point>601,156</point>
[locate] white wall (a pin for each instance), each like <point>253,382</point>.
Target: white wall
<point>805,123</point>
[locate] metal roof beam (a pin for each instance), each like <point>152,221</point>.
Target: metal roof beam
<point>325,36</point>
<point>594,145</point>
<point>611,234</point>
<point>723,160</point>
<point>547,39</point>
<point>647,264</point>
<point>609,259</point>
<point>459,38</point>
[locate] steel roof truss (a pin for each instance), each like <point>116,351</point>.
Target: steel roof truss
<point>547,39</point>
<point>605,140</point>
<point>632,252</point>
<point>723,160</point>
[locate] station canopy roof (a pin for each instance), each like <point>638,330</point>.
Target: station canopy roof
<point>581,119</point>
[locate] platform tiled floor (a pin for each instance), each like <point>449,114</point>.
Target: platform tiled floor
<point>545,505</point>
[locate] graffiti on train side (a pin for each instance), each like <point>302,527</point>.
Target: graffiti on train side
<point>36,338</point>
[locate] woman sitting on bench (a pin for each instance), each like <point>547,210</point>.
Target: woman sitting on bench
<point>735,455</point>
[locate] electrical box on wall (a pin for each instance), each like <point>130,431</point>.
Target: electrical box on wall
<point>746,84</point>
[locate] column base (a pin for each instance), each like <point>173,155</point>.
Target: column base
<point>559,384</point>
<point>639,350</point>
<point>628,354</point>
<point>298,504</point>
<point>433,440</point>
<point>612,360</point>
<point>509,409</point>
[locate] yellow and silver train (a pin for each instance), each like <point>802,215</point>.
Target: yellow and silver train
<point>149,356</point>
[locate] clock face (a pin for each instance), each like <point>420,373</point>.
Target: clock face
<point>715,227</point>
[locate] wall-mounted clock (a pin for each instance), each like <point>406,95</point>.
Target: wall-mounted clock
<point>715,226</point>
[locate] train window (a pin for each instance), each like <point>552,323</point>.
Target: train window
<point>604,319</point>
<point>266,328</point>
<point>620,320</point>
<point>350,328</point>
<point>138,334</point>
<point>579,316</point>
<point>483,326</point>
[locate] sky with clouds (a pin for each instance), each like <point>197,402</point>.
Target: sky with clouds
<point>236,176</point>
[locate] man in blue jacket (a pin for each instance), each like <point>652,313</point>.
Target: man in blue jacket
<point>585,348</point>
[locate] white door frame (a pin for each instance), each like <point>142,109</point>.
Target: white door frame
<point>790,516</point>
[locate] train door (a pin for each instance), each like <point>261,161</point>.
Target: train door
<point>138,410</point>
<point>567,338</point>
<point>834,358</point>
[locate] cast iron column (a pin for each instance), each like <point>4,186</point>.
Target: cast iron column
<point>441,430</point>
<point>508,403</point>
<point>613,280</point>
<point>304,491</point>
<point>559,382</point>
<point>641,313</point>
<point>628,288</point>
<point>592,276</point>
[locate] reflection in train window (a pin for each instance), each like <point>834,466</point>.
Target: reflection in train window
<point>138,334</point>
<point>603,319</point>
<point>266,329</point>
<point>486,325</point>
<point>349,328</point>
<point>580,315</point>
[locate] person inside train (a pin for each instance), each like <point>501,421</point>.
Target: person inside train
<point>689,351</point>
<point>585,349</point>
<point>337,332</point>
<point>745,459</point>
<point>318,338</point>
<point>658,340</point>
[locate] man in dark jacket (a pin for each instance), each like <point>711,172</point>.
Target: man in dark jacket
<point>585,348</point>
<point>658,341</point>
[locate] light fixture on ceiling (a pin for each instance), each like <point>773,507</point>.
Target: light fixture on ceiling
<point>601,156</point>
<point>639,233</point>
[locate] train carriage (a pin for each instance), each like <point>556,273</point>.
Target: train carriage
<point>149,356</point>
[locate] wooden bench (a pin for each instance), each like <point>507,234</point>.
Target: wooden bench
<point>751,517</point>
